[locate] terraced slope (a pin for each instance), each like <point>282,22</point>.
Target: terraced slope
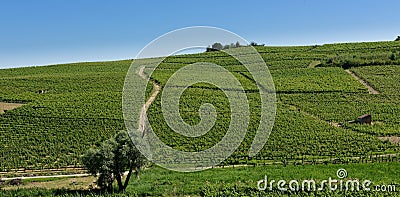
<point>69,108</point>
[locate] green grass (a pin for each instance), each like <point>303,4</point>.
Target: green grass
<point>238,181</point>
<point>161,182</point>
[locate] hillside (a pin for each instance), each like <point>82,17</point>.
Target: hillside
<point>70,108</point>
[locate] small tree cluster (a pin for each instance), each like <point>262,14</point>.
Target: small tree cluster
<point>112,159</point>
<point>256,44</point>
<point>398,38</point>
<point>218,46</point>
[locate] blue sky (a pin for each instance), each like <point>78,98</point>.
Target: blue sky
<point>42,32</point>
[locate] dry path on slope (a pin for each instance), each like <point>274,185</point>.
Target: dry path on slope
<point>143,112</point>
<point>371,90</point>
<point>8,106</point>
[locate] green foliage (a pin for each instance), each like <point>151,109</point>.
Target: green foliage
<point>112,159</point>
<point>217,46</point>
<point>314,80</point>
<point>344,107</point>
<point>312,90</point>
<point>385,79</point>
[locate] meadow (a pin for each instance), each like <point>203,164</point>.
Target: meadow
<point>241,181</point>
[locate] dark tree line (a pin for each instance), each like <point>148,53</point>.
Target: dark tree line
<point>218,46</point>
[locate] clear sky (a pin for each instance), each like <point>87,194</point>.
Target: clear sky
<point>41,32</point>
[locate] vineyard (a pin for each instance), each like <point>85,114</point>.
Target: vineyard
<point>311,99</point>
<point>70,108</point>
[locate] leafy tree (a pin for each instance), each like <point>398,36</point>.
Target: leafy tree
<point>112,159</point>
<point>217,46</point>
<point>398,38</point>
<point>256,44</point>
<point>392,56</point>
<point>253,44</point>
<point>237,44</point>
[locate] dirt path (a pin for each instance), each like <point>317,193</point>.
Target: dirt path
<point>143,112</point>
<point>8,106</point>
<point>51,176</point>
<point>393,139</point>
<point>72,183</point>
<point>371,90</point>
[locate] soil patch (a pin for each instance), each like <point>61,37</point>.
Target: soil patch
<point>8,106</point>
<point>392,139</point>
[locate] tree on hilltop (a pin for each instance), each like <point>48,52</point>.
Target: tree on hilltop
<point>217,46</point>
<point>237,44</point>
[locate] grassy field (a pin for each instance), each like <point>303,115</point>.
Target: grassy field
<point>229,181</point>
<point>70,108</point>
